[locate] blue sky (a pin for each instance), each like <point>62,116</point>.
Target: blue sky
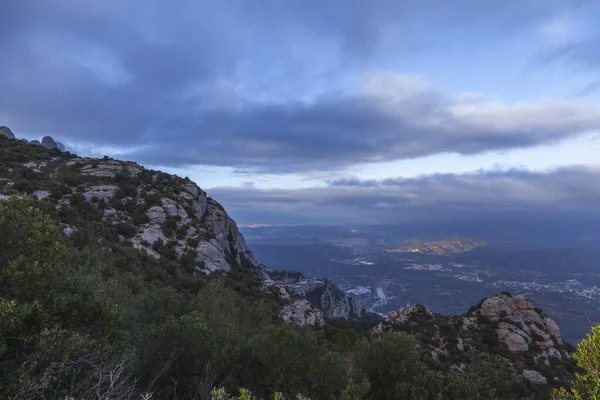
<point>263,104</point>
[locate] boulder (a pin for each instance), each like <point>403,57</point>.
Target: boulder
<point>41,194</point>
<point>553,329</point>
<point>514,341</point>
<point>151,234</point>
<point>5,131</point>
<point>534,377</point>
<point>156,214</point>
<point>49,143</point>
<point>496,307</point>
<point>173,208</point>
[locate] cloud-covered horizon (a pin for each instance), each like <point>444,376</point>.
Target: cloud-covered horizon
<point>479,195</point>
<point>280,88</point>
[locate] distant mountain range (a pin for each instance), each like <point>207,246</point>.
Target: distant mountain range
<point>47,141</point>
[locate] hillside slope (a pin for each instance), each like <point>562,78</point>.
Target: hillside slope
<point>165,215</point>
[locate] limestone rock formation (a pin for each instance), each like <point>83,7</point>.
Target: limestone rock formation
<point>100,191</point>
<point>110,168</point>
<point>404,314</point>
<point>212,256</point>
<point>156,214</point>
<point>165,215</point>
<point>301,312</point>
<point>226,232</point>
<point>5,131</point>
<point>36,142</point>
<point>49,143</point>
<point>334,303</point>
<point>534,377</point>
<point>503,324</point>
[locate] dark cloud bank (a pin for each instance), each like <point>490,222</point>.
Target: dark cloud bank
<point>216,83</point>
<point>517,195</point>
<point>191,84</point>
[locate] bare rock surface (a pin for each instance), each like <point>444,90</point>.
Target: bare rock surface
<point>301,312</point>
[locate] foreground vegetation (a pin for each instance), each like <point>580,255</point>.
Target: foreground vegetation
<point>102,323</point>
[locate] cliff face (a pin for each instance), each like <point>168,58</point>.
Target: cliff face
<point>508,326</point>
<point>334,303</point>
<point>302,313</point>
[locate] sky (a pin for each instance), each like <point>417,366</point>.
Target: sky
<point>323,111</point>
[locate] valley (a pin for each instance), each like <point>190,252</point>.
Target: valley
<point>385,279</point>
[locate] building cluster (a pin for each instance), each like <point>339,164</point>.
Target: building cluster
<point>428,267</point>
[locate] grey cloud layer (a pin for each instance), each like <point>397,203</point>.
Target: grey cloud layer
<point>221,83</point>
<point>574,190</point>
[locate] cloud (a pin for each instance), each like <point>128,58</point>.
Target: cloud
<point>512,193</point>
<point>581,54</point>
<point>284,87</point>
<point>577,41</point>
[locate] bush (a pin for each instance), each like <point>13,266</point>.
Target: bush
<point>126,229</point>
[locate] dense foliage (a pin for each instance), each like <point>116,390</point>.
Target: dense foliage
<point>586,384</point>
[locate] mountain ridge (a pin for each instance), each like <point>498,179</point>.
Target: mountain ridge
<point>161,214</point>
<point>178,251</point>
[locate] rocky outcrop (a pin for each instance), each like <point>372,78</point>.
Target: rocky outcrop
<point>156,214</point>
<point>35,142</point>
<point>60,146</point>
<point>534,377</point>
<point>513,341</point>
<point>505,325</point>
<point>5,131</point>
<point>49,143</point>
<point>301,312</point>
<point>110,168</point>
<point>100,192</point>
<point>173,208</point>
<point>553,329</point>
<point>406,313</point>
<point>334,303</point>
<point>521,324</point>
<point>226,232</point>
<point>211,256</point>
<point>165,215</point>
